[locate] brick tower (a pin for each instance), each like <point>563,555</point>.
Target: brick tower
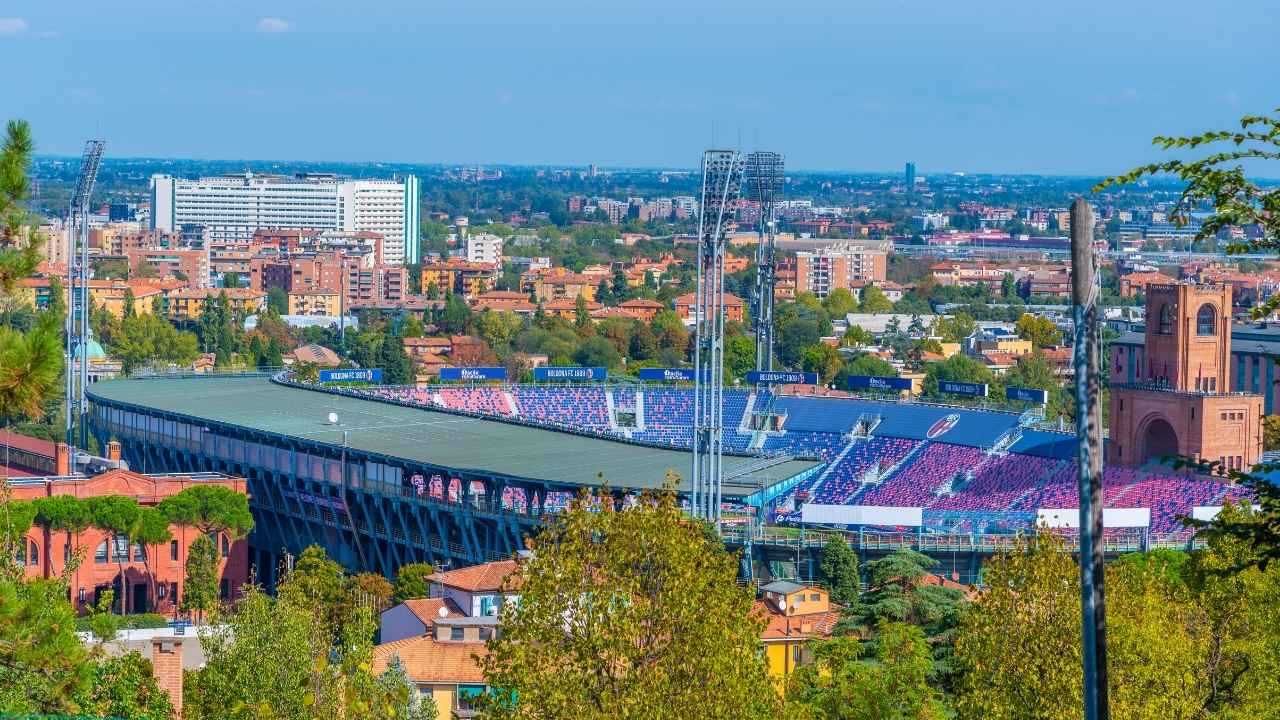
<point>1178,401</point>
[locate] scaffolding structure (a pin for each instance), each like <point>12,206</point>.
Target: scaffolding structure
<point>765,172</point>
<point>721,187</point>
<point>77,322</point>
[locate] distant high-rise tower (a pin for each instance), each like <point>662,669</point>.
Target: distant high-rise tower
<point>911,178</point>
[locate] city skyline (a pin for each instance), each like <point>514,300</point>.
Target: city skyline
<point>996,89</point>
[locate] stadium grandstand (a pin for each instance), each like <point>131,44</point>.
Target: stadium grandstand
<point>966,469</point>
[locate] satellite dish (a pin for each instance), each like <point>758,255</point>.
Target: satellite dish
<point>443,612</point>
<point>333,418</point>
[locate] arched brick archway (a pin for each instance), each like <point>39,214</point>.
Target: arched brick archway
<point>1159,440</point>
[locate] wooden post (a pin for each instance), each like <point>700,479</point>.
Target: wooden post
<point>1088,379</point>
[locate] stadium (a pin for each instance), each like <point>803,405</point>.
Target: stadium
<point>462,473</point>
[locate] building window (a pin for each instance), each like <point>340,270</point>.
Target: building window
<point>1206,320</point>
<point>485,633</point>
<point>455,633</point>
<point>139,553</point>
<point>100,555</point>
<point>173,550</point>
<point>1166,320</point>
<point>224,589</point>
<point>33,557</point>
<point>226,545</point>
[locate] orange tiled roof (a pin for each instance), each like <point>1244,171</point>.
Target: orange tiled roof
<point>487,576</point>
<point>798,627</point>
<point>427,661</point>
<point>428,609</point>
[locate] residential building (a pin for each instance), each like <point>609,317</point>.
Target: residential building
<point>315,302</point>
<point>839,266</point>
<point>559,284</point>
<point>231,208</point>
<point>192,264</point>
<point>456,275</point>
<point>796,615</point>
<point>1132,284</point>
<point>145,578</point>
<point>484,248</point>
<point>189,305</point>
<point>734,307</point>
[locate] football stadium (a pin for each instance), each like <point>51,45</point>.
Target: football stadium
<point>462,473</point>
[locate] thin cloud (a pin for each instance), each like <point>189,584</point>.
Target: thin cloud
<point>13,26</point>
<point>272,25</point>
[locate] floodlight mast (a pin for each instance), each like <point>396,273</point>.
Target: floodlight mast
<point>77,321</point>
<point>765,173</point>
<point>721,187</point>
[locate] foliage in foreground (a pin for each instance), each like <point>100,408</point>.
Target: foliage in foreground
<point>629,614</point>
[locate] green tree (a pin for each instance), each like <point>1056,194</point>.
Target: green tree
<point>211,509</point>
<point>124,686</point>
<point>644,344</point>
<point>840,302</point>
<point>794,338</point>
<point>397,369</point>
<point>739,356</point>
<point>955,328</point>
<point>278,301</point>
<point>628,613</point>
<point>597,352</point>
<point>412,326</point>
<point>958,368</point>
<point>200,586</point>
<point>1008,287</point>
<point>840,567</point>
<point>1039,330</point>
<point>581,317</point>
<point>874,301</point>
<point>822,359</point>
<point>865,364</point>
<point>412,581</point>
<point>456,317</point>
<point>857,336</point>
<point>118,516</point>
<point>843,685</point>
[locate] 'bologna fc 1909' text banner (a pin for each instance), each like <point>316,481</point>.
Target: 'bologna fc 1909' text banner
<point>781,377</point>
<point>569,373</point>
<point>369,375</point>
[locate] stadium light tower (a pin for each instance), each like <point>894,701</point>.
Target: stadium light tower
<point>77,322</point>
<point>764,176</point>
<point>721,188</point>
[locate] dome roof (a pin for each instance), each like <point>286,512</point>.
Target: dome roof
<point>93,349</point>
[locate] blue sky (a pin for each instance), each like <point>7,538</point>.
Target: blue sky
<point>976,86</point>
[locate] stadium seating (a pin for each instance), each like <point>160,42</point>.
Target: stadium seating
<point>950,476</point>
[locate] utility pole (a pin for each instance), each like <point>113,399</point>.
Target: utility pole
<point>1086,354</point>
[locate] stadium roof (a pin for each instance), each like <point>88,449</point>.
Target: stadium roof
<point>427,436</point>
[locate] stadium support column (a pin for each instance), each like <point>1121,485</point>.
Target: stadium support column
<point>764,176</point>
<point>1088,381</point>
<point>721,187</point>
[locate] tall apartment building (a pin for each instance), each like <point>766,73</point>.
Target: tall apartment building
<point>840,266</point>
<point>484,248</point>
<point>231,208</point>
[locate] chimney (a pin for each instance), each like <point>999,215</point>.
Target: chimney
<point>113,450</point>
<point>166,664</point>
<point>62,459</point>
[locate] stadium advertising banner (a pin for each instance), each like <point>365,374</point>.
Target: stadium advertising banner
<point>862,515</point>
<point>781,377</point>
<point>473,373</point>
<point>1030,395</point>
<point>368,375</point>
<point>1111,517</point>
<point>877,382</point>
<point>667,374</point>
<point>569,373</point>
<point>963,388</point>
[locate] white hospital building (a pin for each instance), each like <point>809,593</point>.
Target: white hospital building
<point>232,207</point>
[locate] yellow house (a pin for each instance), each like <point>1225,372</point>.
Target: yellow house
<point>316,302</point>
<point>796,615</point>
<point>443,670</point>
<point>190,304</point>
